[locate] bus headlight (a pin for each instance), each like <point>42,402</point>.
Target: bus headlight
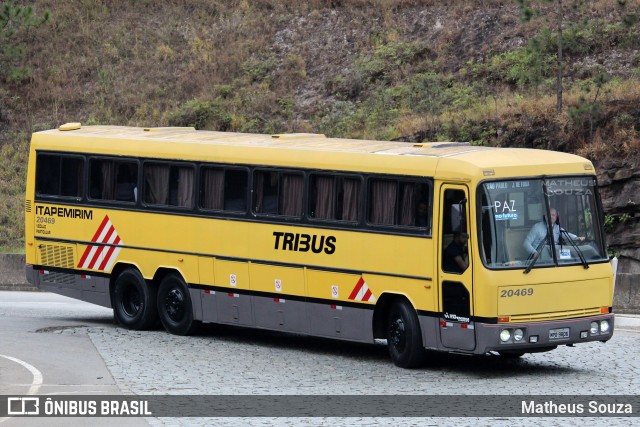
<point>604,326</point>
<point>518,334</point>
<point>505,335</point>
<point>594,328</point>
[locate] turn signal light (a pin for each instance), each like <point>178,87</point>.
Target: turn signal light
<point>503,319</point>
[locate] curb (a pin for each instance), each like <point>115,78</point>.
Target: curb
<point>627,321</point>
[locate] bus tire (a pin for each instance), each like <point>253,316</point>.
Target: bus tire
<point>174,306</point>
<point>134,302</point>
<point>404,338</point>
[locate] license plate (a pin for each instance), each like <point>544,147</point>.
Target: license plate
<point>559,334</point>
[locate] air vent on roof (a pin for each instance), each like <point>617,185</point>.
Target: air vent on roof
<point>168,129</point>
<point>70,126</point>
<point>298,135</point>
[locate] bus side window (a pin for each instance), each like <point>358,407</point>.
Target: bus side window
<point>278,193</point>
<point>59,175</point>
<point>113,180</point>
<point>334,198</point>
<point>48,175</point>
<point>224,189</point>
<point>168,185</point>
<point>398,202</point>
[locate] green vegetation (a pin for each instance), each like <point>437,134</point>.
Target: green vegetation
<point>13,21</point>
<point>14,155</point>
<point>372,69</point>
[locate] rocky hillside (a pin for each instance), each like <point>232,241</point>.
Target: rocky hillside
<point>381,69</point>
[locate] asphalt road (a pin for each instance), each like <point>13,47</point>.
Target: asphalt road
<point>50,344</point>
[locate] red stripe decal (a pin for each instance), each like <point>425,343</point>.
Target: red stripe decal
<point>95,238</point>
<point>84,255</point>
<point>107,257</point>
<point>357,288</point>
<point>367,295</point>
<point>99,231</point>
<point>96,256</point>
<point>101,249</point>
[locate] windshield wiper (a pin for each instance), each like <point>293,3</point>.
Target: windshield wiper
<point>535,255</point>
<point>580,254</point>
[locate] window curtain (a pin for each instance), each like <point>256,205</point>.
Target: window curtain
<point>108,170</point>
<point>157,179</point>
<point>408,205</point>
<point>291,196</point>
<point>383,202</point>
<point>350,197</point>
<point>213,189</point>
<point>185,187</point>
<point>325,196</point>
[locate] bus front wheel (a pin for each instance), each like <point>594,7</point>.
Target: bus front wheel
<point>174,306</point>
<point>403,336</point>
<point>134,302</point>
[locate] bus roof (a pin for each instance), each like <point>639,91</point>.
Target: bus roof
<point>448,159</point>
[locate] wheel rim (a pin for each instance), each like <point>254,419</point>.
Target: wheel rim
<point>131,301</point>
<point>397,333</point>
<point>174,305</point>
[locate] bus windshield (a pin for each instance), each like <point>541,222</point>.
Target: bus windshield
<point>540,223</point>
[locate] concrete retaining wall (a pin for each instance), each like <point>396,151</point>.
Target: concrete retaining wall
<point>12,277</point>
<point>626,298</point>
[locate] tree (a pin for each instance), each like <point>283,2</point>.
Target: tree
<point>12,20</point>
<point>555,18</point>
<point>588,112</point>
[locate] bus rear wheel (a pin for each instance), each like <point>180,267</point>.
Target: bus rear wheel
<point>134,302</point>
<point>404,337</point>
<point>174,306</point>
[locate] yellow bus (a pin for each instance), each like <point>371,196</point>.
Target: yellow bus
<point>432,246</point>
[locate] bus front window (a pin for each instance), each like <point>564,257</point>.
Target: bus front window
<point>540,222</point>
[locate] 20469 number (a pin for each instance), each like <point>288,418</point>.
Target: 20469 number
<point>508,293</point>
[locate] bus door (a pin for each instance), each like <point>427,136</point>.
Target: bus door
<point>455,286</point>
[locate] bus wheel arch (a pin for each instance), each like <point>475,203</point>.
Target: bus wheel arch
<point>133,298</point>
<point>396,319</point>
<point>174,303</point>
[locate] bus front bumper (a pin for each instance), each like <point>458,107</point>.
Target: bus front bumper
<point>531,337</point>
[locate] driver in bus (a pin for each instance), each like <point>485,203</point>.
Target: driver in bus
<point>538,233</point>
<point>455,255</point>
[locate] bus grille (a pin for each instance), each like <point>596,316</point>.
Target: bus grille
<point>56,256</point>
<point>27,206</point>
<point>539,317</point>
